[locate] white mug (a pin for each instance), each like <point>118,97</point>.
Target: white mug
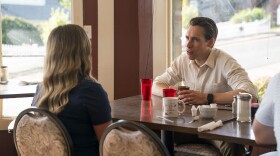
<point>170,106</point>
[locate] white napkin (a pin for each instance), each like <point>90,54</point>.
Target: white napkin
<point>210,126</point>
<point>193,110</point>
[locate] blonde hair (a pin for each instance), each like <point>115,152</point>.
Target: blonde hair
<point>68,61</point>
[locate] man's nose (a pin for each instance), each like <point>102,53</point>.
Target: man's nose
<point>188,44</point>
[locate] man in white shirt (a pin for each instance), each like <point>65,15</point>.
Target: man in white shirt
<point>266,125</point>
<point>212,75</point>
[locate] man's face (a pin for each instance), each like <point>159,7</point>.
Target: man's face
<point>196,44</point>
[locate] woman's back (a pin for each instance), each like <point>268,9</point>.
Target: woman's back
<point>70,91</point>
<point>88,105</point>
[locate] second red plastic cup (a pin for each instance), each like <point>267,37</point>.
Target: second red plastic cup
<point>169,92</point>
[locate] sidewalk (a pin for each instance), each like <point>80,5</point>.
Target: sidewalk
<point>269,70</point>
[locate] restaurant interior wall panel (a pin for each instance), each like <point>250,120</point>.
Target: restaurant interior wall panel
<point>7,147</point>
<point>126,48</point>
<point>91,18</point>
<point>145,25</point>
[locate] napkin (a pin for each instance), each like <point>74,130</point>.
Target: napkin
<point>210,126</point>
<point>193,110</point>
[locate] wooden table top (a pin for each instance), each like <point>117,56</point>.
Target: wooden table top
<point>17,91</point>
<point>146,112</point>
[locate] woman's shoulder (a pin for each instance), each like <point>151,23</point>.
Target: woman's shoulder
<point>90,84</point>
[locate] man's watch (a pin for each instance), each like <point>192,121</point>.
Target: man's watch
<point>210,98</point>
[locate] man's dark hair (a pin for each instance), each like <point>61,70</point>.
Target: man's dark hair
<point>209,26</point>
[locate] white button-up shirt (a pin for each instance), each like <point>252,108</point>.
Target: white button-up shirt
<point>220,73</point>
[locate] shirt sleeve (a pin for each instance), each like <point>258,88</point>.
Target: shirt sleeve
<point>269,105</point>
<point>238,78</point>
<point>172,75</point>
<point>96,102</point>
<point>276,95</point>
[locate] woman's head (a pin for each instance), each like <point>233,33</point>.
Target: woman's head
<point>68,52</point>
<point>68,61</point>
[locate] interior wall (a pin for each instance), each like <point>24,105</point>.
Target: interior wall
<point>106,46</point>
<point>145,25</point>
<point>132,31</point>
<point>91,18</point>
<point>126,48</point>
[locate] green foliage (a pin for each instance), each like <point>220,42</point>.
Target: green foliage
<point>188,12</point>
<point>17,31</point>
<point>261,84</point>
<point>58,17</point>
<point>249,15</point>
<point>65,3</point>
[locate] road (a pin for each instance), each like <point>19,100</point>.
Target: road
<point>254,53</point>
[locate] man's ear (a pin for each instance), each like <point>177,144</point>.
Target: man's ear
<point>211,42</point>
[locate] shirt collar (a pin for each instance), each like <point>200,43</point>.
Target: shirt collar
<point>210,62</point>
<point>211,59</point>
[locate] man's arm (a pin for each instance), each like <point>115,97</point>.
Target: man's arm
<point>227,97</point>
<point>198,98</point>
<point>238,79</point>
<point>157,88</point>
<point>263,134</point>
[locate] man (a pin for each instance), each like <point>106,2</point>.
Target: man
<point>266,125</point>
<point>212,75</point>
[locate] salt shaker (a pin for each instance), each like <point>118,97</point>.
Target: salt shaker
<point>234,105</point>
<point>244,107</point>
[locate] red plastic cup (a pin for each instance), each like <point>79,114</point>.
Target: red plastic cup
<point>169,92</point>
<point>146,88</point>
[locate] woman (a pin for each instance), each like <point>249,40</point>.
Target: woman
<point>70,91</point>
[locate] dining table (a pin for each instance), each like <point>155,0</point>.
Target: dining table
<point>149,113</point>
<point>17,91</point>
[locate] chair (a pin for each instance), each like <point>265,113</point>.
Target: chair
<point>193,146</point>
<point>130,138</point>
<point>39,132</point>
<point>197,150</point>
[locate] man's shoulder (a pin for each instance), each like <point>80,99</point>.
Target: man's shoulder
<point>222,55</point>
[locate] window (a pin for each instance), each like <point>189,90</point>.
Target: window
<point>248,31</point>
<point>25,28</point>
<point>26,25</point>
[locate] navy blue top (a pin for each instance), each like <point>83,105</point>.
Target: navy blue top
<point>88,105</point>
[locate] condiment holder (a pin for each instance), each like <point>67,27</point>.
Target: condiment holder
<point>208,111</point>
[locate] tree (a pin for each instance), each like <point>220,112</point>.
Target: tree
<point>17,31</point>
<point>65,3</point>
<point>59,16</point>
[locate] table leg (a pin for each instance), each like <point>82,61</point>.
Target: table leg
<point>167,137</point>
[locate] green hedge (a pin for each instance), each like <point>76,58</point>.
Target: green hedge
<point>17,32</point>
<point>249,15</point>
<point>262,84</point>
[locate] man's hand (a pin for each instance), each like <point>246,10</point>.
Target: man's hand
<point>192,97</point>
